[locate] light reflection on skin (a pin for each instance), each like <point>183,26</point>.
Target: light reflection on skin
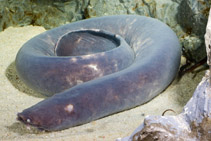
<point>93,67</point>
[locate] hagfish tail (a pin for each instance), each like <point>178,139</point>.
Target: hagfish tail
<point>96,67</point>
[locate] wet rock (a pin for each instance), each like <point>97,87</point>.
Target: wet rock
<point>194,48</point>
<point>97,8</point>
<point>192,17</point>
<point>208,41</point>
<point>166,11</point>
<point>48,13</point>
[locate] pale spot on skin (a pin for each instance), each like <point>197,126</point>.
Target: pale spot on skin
<point>69,108</point>
<point>93,67</point>
<point>28,127</point>
<point>73,59</point>
<point>79,82</point>
<point>79,40</point>
<point>28,120</point>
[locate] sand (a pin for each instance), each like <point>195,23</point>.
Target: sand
<point>15,97</point>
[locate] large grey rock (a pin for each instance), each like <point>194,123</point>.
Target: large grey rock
<point>192,17</point>
<point>208,43</point>
<point>97,8</point>
<point>47,13</point>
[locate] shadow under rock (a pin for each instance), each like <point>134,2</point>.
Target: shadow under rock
<point>12,76</point>
<point>187,85</point>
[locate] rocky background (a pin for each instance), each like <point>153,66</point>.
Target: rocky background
<point>188,18</point>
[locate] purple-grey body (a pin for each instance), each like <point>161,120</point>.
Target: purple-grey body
<point>132,72</point>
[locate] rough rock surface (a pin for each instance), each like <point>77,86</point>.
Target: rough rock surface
<point>192,17</point>
<point>48,13</point>
<point>208,42</point>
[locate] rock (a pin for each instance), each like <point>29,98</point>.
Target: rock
<point>194,48</point>
<point>166,11</point>
<point>208,41</point>
<point>97,8</point>
<point>192,17</point>
<point>48,13</point>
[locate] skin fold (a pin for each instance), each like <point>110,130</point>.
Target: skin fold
<point>142,57</point>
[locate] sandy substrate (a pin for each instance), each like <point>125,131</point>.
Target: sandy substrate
<point>15,96</point>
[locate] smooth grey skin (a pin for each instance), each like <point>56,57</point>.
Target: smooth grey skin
<point>157,58</point>
<point>78,56</point>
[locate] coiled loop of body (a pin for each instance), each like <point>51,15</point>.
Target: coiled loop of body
<point>96,67</point>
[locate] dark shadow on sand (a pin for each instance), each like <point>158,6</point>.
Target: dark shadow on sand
<point>185,91</point>
<point>12,76</point>
<point>22,129</point>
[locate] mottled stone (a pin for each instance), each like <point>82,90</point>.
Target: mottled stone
<point>48,13</point>
<point>144,7</point>
<point>166,11</point>
<point>208,42</point>
<point>97,8</point>
<point>194,48</point>
<point>192,17</point>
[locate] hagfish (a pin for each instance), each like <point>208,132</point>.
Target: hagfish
<point>96,67</point>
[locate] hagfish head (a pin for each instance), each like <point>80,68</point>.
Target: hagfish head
<point>50,115</point>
